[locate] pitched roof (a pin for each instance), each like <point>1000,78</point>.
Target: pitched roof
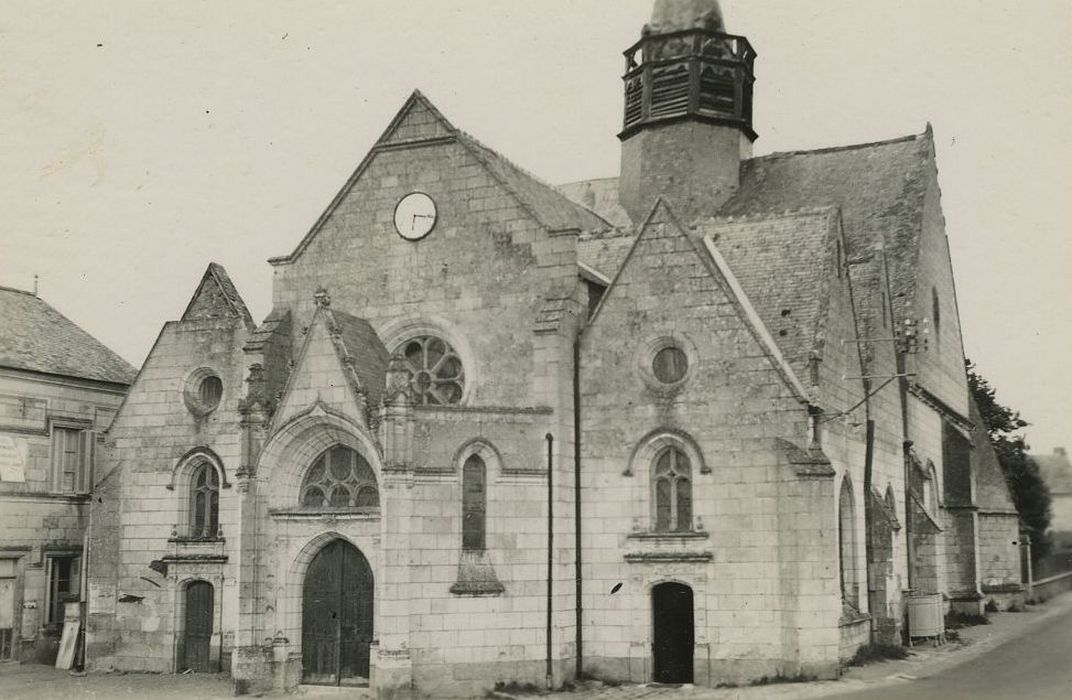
<point>552,209</point>
<point>600,196</point>
<point>359,341</point>
<point>784,264</point>
<point>879,187</point>
<point>38,338</point>
<point>419,121</point>
<point>1056,470</point>
<point>992,491</point>
<point>217,297</point>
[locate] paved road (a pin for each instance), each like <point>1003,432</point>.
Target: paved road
<point>1035,667</point>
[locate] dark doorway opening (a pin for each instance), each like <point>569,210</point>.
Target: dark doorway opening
<point>337,617</point>
<point>197,631</point>
<point>673,632</point>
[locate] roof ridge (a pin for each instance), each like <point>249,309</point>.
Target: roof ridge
<point>836,149</point>
<point>799,212</point>
<point>19,291</point>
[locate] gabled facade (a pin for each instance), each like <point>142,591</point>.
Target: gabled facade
<point>705,422</point>
<point>59,390</point>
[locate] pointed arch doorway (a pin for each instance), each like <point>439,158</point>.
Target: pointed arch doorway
<point>337,606</point>
<point>673,633</point>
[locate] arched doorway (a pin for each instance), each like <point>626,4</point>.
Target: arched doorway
<point>197,628</point>
<point>673,632</point>
<point>337,616</point>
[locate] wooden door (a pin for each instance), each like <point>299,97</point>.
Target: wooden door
<point>197,634</point>
<point>7,617</point>
<point>337,610</point>
<point>673,633</point>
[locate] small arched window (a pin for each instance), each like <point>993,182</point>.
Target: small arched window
<point>339,478</point>
<point>847,542</point>
<point>205,501</point>
<point>474,503</point>
<point>672,487</point>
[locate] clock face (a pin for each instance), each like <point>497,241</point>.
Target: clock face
<point>415,216</point>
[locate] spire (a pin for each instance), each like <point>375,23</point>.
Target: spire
<point>675,15</point>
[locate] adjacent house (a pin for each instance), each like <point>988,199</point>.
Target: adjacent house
<point>59,390</point>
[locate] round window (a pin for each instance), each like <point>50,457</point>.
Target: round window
<point>435,370</point>
<point>670,365</point>
<point>203,392</point>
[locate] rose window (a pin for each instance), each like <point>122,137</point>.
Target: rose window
<point>435,370</point>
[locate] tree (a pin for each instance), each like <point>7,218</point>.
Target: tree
<point>1029,491</point>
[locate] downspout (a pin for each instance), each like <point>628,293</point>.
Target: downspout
<point>550,551</point>
<point>869,460</point>
<point>578,576</point>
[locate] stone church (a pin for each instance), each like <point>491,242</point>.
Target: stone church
<point>705,422</point>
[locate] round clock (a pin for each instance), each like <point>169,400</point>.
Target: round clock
<point>415,216</point>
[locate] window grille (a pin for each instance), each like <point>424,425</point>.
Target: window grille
<point>435,369</point>
<point>339,478</point>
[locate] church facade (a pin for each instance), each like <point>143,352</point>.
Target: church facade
<point>704,422</point>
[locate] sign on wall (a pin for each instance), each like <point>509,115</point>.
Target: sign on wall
<point>12,458</point>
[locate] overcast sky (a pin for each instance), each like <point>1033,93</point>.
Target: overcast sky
<point>142,140</point>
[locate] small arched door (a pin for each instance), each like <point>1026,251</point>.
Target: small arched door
<point>337,617</point>
<point>197,629</point>
<point>673,635</point>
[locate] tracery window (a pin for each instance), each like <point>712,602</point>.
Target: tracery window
<point>339,478</point>
<point>435,370</point>
<point>474,503</point>
<point>205,501</point>
<point>672,484</point>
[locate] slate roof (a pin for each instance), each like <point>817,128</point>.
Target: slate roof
<point>599,196</point>
<point>1056,470</point>
<point>991,489</point>
<point>216,297</point>
<point>552,209</point>
<point>370,357</point>
<point>784,264</point>
<point>36,337</point>
<point>878,186</point>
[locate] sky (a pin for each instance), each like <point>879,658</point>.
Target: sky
<point>141,140</point>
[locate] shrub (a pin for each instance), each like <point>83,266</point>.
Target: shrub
<point>873,653</point>
<point>781,678</point>
<point>991,606</point>
<point>958,620</point>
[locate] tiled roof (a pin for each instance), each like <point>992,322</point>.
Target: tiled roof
<point>784,266</point>
<point>36,337</point>
<point>552,209</point>
<point>1056,471</point>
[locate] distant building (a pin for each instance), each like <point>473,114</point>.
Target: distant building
<point>731,387</point>
<point>1056,471</point>
<point>59,390</point>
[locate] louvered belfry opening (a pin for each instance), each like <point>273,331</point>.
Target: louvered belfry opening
<point>690,73</point>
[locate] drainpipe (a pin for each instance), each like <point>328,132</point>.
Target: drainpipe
<point>550,551</point>
<point>577,502</point>
<point>869,460</point>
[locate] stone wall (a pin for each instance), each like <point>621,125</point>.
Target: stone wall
<point>39,518</point>
<point>761,552</point>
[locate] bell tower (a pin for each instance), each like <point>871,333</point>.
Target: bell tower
<point>688,111</point>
